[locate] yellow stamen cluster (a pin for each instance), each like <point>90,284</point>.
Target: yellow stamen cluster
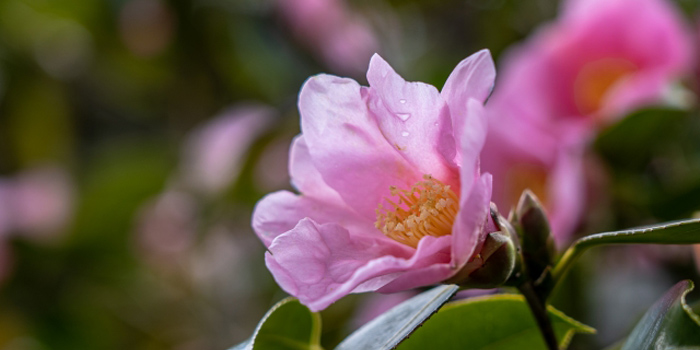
<point>428,208</point>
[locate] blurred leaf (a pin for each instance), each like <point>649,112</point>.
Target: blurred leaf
<point>389,329</point>
<point>494,322</point>
<point>630,143</point>
<point>39,122</point>
<point>288,325</point>
<point>678,232</point>
<point>669,323</point>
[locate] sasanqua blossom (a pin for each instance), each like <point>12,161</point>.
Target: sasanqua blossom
<point>391,194</point>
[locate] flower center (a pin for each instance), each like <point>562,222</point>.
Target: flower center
<point>595,80</point>
<point>428,208</point>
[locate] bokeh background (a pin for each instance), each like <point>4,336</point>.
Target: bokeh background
<point>137,135</point>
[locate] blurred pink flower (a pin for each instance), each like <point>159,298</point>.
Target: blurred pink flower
<point>38,202</point>
<point>167,226</point>
<point>343,40</point>
<point>557,178</point>
<point>214,153</point>
<point>361,146</point>
<point>598,61</point>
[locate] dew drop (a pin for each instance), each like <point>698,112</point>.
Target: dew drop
<point>405,133</point>
<point>403,116</point>
<point>402,101</point>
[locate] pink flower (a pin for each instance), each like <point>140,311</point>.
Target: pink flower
<point>38,201</point>
<point>391,193</point>
<point>598,61</point>
<point>341,38</point>
<point>214,153</point>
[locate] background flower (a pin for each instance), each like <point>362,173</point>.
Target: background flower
<point>586,69</point>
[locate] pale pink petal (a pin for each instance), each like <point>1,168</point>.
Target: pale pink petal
<point>319,264</point>
<point>305,178</point>
<point>468,231</point>
<point>280,211</point>
<point>414,118</point>
<point>473,134</point>
<point>346,146</point>
<point>473,78</point>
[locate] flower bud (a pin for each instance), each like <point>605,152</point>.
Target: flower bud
<point>494,263</point>
<point>532,226</point>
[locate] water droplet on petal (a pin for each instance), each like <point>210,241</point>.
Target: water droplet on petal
<point>403,116</point>
<point>436,124</point>
<point>405,133</point>
<point>402,101</point>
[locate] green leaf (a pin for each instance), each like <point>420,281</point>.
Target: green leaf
<point>500,322</point>
<point>669,324</point>
<point>288,325</point>
<point>389,329</point>
<point>677,232</point>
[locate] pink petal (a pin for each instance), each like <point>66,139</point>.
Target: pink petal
<point>473,78</point>
<point>468,233</point>
<point>306,178</point>
<point>473,134</point>
<point>475,196</point>
<point>414,118</point>
<point>319,264</point>
<point>346,146</point>
<point>280,211</point>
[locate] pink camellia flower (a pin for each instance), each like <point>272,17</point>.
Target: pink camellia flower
<point>392,197</point>
<point>598,61</point>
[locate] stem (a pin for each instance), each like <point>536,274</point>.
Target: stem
<point>539,310</point>
<point>562,266</point>
<point>565,262</point>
